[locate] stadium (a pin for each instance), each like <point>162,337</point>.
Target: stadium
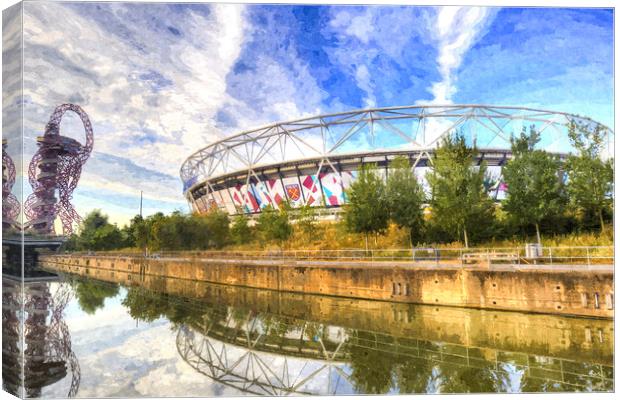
<point>312,161</point>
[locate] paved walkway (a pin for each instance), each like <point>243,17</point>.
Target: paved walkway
<point>446,264</point>
<point>427,265</point>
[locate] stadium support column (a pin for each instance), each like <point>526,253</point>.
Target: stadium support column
<point>386,169</point>
<point>190,202</point>
<point>232,200</point>
<point>301,188</point>
<point>318,176</point>
<point>282,183</point>
<point>339,170</point>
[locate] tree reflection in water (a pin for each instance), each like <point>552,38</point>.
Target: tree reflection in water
<point>362,361</point>
<point>91,295</point>
<point>372,369</point>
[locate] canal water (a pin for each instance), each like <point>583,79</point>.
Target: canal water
<point>135,336</point>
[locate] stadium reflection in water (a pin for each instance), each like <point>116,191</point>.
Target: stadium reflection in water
<point>268,343</point>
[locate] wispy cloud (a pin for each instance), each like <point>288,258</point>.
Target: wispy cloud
<point>455,30</point>
<point>558,59</point>
<point>161,81</point>
<point>270,81</point>
<point>384,49</point>
<point>151,77</point>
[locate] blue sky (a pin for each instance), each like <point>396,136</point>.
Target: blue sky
<point>160,81</point>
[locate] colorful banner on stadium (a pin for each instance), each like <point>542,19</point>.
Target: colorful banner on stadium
<point>311,190</point>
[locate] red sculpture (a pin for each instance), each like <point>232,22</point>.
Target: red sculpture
<point>10,204</point>
<point>59,162</point>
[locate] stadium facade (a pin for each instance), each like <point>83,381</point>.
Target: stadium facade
<point>313,161</point>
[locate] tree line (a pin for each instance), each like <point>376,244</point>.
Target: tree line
<point>179,231</point>
<point>543,192</point>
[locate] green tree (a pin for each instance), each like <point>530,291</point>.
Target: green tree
<point>97,233</point>
<point>138,231</point>
<point>165,232</point>
<point>153,224</point>
<point>108,237</point>
<point>274,225</point>
<point>127,237</point>
<point>367,211</point>
<point>218,228</point>
<point>307,221</point>
<point>71,244</point>
<point>535,189</point>
<point>193,232</point>
<point>404,198</point>
<point>460,204</point>
<point>590,178</point>
<point>240,231</point>
<point>94,221</point>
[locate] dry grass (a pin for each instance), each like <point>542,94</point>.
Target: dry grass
<point>333,236</point>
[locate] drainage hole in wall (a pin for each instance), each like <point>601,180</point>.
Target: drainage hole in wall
<point>559,307</point>
<point>494,302</point>
<point>557,288</point>
<point>436,281</point>
<point>436,300</point>
<point>494,285</point>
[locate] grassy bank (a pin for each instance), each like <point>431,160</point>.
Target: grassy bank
<point>211,232</point>
<point>333,236</point>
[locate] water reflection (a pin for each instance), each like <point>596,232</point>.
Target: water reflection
<point>265,356</point>
<point>45,357</point>
<point>258,342</point>
<point>237,347</point>
<point>91,295</point>
<point>261,342</point>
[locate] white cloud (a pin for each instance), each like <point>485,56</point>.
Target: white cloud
<point>125,360</point>
<point>110,317</point>
<point>272,82</point>
<point>374,45</point>
<point>364,82</point>
<point>360,26</point>
<point>278,93</point>
<point>159,84</point>
<point>152,96</point>
<point>455,30</point>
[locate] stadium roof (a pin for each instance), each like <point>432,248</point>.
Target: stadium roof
<point>415,129</point>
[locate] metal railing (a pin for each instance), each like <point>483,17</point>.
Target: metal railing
<point>568,255</point>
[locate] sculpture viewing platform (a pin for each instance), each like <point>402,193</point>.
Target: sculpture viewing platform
<point>30,248</point>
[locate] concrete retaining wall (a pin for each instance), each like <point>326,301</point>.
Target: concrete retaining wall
<point>545,289</point>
